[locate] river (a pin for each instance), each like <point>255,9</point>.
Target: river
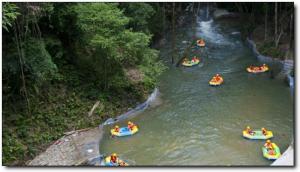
<point>196,124</point>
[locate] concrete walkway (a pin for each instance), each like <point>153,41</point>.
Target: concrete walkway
<point>75,148</point>
<point>286,159</point>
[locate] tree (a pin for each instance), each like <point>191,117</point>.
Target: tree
<point>139,14</point>
<point>266,20</point>
<point>109,43</point>
<point>173,32</point>
<point>275,21</point>
<point>9,15</point>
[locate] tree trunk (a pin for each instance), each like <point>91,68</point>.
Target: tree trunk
<point>173,33</point>
<point>192,9</point>
<point>164,17</point>
<point>291,31</point>
<point>275,20</point>
<point>105,74</point>
<point>18,40</point>
<point>198,8</point>
<point>278,38</point>
<point>266,21</point>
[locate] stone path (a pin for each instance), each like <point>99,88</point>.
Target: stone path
<point>75,148</point>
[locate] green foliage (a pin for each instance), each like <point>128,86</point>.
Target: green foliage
<point>269,49</point>
<point>9,15</point>
<point>38,61</point>
<point>80,58</point>
<point>139,14</point>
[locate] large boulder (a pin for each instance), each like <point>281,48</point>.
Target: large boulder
<point>222,13</point>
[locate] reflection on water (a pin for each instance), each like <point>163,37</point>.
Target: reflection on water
<point>196,124</point>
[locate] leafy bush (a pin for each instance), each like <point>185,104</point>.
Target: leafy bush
<point>269,49</point>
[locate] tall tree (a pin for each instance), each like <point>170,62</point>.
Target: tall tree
<point>173,32</point>
<point>266,20</point>
<point>275,20</point>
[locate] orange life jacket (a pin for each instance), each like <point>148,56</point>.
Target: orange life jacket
<point>113,159</point>
<point>130,126</point>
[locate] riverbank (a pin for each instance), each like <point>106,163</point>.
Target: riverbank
<point>287,158</point>
<point>73,149</point>
<point>82,146</point>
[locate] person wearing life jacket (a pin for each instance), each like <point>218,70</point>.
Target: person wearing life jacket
<point>122,163</point>
<point>185,60</point>
<point>251,67</point>
<point>201,42</point>
<point>218,77</point>
<point>249,130</point>
<point>264,131</point>
<point>268,145</point>
<point>113,158</point>
<point>194,59</point>
<point>130,125</point>
<point>264,66</point>
<point>116,129</point>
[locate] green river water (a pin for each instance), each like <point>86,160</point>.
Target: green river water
<point>196,124</point>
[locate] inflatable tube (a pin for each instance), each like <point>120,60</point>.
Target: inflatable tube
<point>119,162</point>
<point>124,131</point>
<point>258,135</point>
<point>200,44</point>
<point>271,157</point>
<point>190,63</point>
<point>264,69</point>
<point>212,82</point>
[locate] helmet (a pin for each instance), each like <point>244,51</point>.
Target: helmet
<point>218,74</point>
<point>262,128</point>
<point>114,154</point>
<point>129,122</point>
<point>248,127</point>
<point>116,126</point>
<point>268,141</point>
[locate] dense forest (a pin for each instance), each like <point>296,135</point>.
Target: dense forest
<point>59,59</point>
<point>269,24</point>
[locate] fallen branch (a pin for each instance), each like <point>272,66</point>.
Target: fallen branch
<point>93,108</point>
<point>278,38</point>
<point>76,131</point>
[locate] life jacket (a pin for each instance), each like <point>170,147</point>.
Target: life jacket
<point>113,159</point>
<point>249,131</point>
<point>269,145</point>
<point>130,126</point>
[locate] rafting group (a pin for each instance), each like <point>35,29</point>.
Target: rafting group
<point>130,129</point>
<point>270,150</point>
<point>218,79</point>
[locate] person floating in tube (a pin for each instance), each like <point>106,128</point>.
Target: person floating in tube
<point>117,129</point>
<point>249,130</point>
<point>264,131</point>
<point>114,158</point>
<point>269,146</point>
<point>131,125</point>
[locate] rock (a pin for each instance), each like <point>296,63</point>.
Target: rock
<point>71,150</point>
<point>222,13</point>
